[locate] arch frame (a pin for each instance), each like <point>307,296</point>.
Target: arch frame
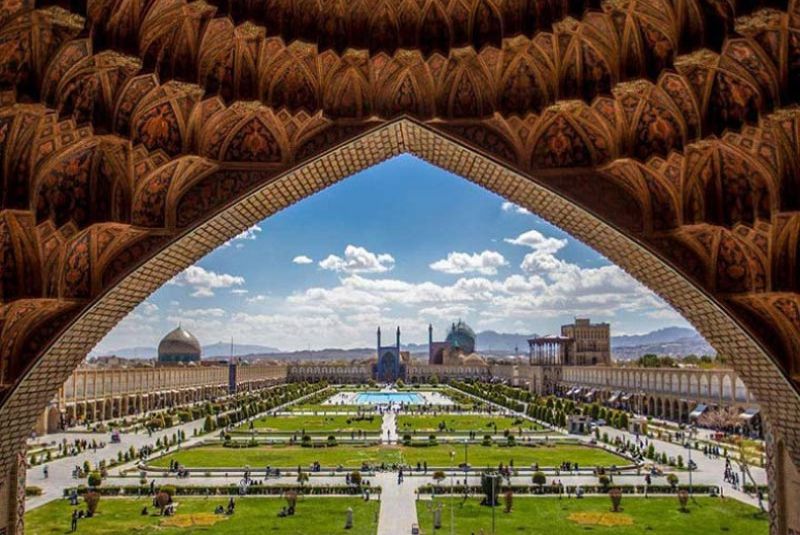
<point>780,398</point>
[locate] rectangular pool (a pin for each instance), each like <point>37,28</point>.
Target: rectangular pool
<point>385,398</point>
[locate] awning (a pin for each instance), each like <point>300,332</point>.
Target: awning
<point>590,394</point>
<point>627,397</point>
<point>749,414</point>
<point>613,397</point>
<point>576,391</point>
<point>698,411</point>
<point>572,390</point>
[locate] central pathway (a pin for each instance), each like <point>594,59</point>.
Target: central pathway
<point>389,427</point>
<point>398,504</point>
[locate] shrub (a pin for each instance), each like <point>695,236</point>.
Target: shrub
<point>156,423</point>
<point>616,499</point>
<point>438,476</point>
<point>168,489</point>
<point>302,477</point>
<point>539,479</point>
<point>355,478</point>
<point>604,481</point>
<point>163,500</point>
<point>683,499</point>
<point>509,499</point>
<point>95,479</point>
<point>92,500</point>
<point>406,440</point>
<point>672,479</point>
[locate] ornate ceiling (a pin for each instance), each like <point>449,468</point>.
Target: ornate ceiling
<point>124,123</point>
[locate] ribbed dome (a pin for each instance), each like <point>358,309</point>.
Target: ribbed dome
<point>462,337</point>
<point>179,345</point>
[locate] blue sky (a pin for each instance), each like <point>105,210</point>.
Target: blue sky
<point>401,243</point>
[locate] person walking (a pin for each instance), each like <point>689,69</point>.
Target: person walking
<point>74,521</point>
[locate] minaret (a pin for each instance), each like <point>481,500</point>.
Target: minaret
<point>430,344</point>
<point>379,340</point>
<point>397,361</point>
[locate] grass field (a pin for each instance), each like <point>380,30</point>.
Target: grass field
<point>314,516</point>
<point>639,516</point>
<point>463,423</point>
<point>353,456</point>
<point>316,423</point>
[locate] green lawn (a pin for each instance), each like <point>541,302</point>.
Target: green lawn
<point>639,516</point>
<point>315,516</point>
<point>316,423</point>
<point>217,456</point>
<point>463,422</point>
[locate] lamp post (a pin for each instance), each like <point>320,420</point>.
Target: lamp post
<point>452,488</point>
<point>692,430</point>
<point>493,505</point>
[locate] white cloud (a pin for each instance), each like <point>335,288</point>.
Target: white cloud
<point>358,260</point>
<point>246,235</point>
<point>257,298</point>
<point>239,291</point>
<point>202,313</point>
<point>538,242</point>
<point>204,282</point>
<point>446,313</point>
<point>511,207</point>
<point>485,263</point>
<point>148,308</point>
<point>302,259</point>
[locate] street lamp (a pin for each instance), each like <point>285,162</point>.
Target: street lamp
<point>692,431</point>
<point>452,488</point>
<point>494,505</point>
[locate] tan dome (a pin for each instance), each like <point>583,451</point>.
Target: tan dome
<point>179,345</point>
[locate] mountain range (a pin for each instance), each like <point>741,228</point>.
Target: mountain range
<point>673,341</point>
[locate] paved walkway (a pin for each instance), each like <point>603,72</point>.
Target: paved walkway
<point>389,427</point>
<point>398,503</point>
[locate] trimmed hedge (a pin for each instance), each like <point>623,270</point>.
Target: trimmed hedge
<point>587,489</point>
<point>225,490</point>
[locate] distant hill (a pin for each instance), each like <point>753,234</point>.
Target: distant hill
<point>491,341</point>
<point>220,349</point>
<point>672,341</point>
<point>660,336</point>
<point>223,349</point>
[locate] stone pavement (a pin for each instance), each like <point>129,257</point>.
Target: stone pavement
<point>398,503</point>
<point>389,427</point>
